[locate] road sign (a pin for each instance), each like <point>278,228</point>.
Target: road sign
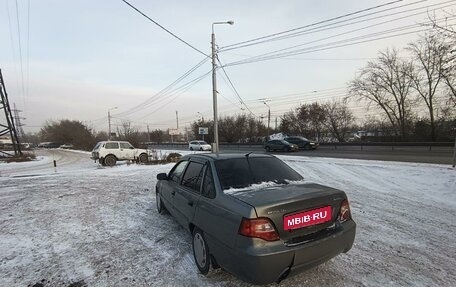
<point>173,132</point>
<point>203,131</point>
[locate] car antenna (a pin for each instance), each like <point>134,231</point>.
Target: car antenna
<point>247,154</point>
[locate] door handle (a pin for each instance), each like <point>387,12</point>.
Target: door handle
<point>190,202</point>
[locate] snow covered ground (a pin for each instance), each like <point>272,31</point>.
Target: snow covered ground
<point>96,226</point>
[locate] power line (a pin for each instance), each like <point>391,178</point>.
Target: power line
<point>348,32</point>
<point>313,24</point>
<point>20,49</point>
<point>28,47</point>
<point>334,45</point>
<point>167,89</point>
<point>234,88</point>
<point>331,26</point>
<point>178,92</point>
<point>168,31</point>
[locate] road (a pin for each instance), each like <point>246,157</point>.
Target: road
<point>438,155</point>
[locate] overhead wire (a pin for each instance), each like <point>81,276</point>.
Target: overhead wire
<point>326,28</point>
<point>20,51</point>
<point>313,24</point>
<point>336,44</point>
<point>234,88</point>
<point>166,90</point>
<point>168,31</point>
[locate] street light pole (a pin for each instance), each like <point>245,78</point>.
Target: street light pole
<point>214,85</point>
<point>269,116</point>
<point>109,122</point>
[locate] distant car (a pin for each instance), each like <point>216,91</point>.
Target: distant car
<point>67,146</point>
<point>302,142</point>
<point>252,215</point>
<point>109,152</point>
<point>281,145</point>
<point>199,145</point>
<point>49,145</point>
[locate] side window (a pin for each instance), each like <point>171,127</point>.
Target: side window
<point>125,145</point>
<point>112,145</point>
<point>193,175</point>
<point>208,183</point>
<point>176,174</point>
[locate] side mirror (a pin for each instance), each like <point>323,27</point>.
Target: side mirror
<point>162,176</point>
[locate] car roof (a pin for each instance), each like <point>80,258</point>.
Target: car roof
<point>114,142</point>
<point>223,156</point>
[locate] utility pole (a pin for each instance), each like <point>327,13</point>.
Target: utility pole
<point>214,86</point>
<point>10,128</point>
<point>276,123</point>
<point>109,122</point>
<point>269,115</point>
<point>148,133</point>
<point>177,120</point>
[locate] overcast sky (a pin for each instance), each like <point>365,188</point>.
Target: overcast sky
<point>81,58</point>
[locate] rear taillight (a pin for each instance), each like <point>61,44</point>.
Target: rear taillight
<point>258,228</point>
<point>344,213</point>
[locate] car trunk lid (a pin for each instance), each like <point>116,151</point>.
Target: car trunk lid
<point>295,209</point>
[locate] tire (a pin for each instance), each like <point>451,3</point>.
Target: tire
<point>161,209</point>
<point>191,148</point>
<point>201,251</point>
<point>285,149</point>
<point>268,149</point>
<point>102,162</point>
<point>110,160</point>
<point>201,149</point>
<point>143,158</point>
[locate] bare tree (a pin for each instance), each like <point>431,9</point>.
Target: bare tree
<point>129,133</point>
<point>312,117</point>
<point>430,53</point>
<point>338,119</point>
<point>290,123</point>
<point>386,84</point>
<point>447,34</point>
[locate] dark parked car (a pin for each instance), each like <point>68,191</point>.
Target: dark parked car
<point>252,215</point>
<point>281,145</point>
<point>302,142</point>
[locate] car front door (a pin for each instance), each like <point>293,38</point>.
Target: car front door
<point>127,151</point>
<point>169,187</point>
<point>188,193</point>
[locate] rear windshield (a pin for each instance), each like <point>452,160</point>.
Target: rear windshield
<point>243,172</point>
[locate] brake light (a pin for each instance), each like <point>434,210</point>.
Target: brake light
<point>344,213</point>
<point>259,228</point>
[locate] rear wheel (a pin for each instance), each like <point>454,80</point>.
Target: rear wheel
<point>102,162</point>
<point>191,148</point>
<point>201,251</point>
<point>143,158</point>
<point>110,160</point>
<point>268,149</point>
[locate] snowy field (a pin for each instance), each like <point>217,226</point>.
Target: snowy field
<point>90,226</point>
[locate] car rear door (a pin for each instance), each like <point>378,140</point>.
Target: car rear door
<point>187,194</point>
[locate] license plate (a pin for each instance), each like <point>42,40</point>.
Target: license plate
<point>307,218</point>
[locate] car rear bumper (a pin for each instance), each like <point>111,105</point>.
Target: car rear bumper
<point>263,264</point>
